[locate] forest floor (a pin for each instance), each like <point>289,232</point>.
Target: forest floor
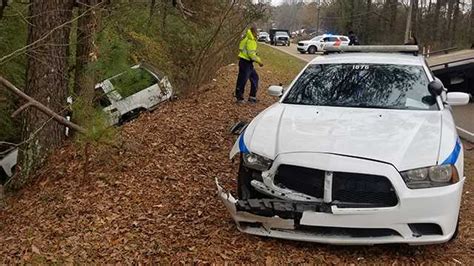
<point>153,199</point>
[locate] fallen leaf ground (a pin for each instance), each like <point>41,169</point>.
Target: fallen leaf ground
<point>153,199</point>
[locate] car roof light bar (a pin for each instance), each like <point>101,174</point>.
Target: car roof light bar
<point>374,49</point>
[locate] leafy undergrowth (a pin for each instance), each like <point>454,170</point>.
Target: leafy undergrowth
<point>153,199</point>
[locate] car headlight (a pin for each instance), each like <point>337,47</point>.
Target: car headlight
<point>434,176</point>
<point>257,162</point>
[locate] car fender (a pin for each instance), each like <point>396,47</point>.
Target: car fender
<point>451,149</point>
<point>239,146</point>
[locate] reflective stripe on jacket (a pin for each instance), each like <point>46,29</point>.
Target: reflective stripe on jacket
<point>248,48</point>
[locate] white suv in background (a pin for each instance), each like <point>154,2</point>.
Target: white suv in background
<point>318,43</point>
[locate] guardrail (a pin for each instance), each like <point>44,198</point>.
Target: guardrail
<point>452,62</point>
<point>442,51</point>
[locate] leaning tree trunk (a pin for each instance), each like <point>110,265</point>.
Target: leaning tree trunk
<point>86,52</point>
<point>46,79</point>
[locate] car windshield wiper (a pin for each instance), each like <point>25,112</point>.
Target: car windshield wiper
<point>356,106</point>
<point>371,106</point>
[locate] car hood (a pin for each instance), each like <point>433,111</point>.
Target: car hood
<point>404,138</point>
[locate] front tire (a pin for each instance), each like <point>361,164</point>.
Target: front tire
<point>456,232</point>
<point>245,190</point>
<point>312,49</point>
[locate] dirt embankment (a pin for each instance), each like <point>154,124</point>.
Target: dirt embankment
<point>154,198</point>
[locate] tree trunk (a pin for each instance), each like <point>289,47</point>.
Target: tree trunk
<point>452,36</point>
<point>393,19</point>
<point>86,51</point>
<point>367,27</point>
<point>449,17</point>
<point>46,80</point>
<point>409,23</point>
<point>164,15</point>
<point>414,19</point>
<point>152,10</point>
<point>436,26</point>
<point>3,5</point>
<point>350,24</point>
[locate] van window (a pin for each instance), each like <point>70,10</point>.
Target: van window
<point>133,81</point>
<point>330,39</point>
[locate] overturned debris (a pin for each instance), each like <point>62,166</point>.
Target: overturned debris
<point>124,96</point>
<point>8,161</point>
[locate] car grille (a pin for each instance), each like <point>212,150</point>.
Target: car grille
<point>305,180</point>
<point>363,189</point>
<point>282,38</point>
<point>301,44</point>
<point>348,232</point>
<point>348,189</point>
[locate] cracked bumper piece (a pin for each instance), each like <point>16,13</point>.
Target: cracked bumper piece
<point>322,223</point>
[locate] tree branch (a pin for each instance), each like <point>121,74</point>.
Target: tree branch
<point>185,11</point>
<point>23,107</point>
<point>39,106</point>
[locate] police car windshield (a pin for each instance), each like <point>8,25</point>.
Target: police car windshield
<point>363,85</point>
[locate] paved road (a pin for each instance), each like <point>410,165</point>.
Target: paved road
<point>464,115</point>
<point>292,51</point>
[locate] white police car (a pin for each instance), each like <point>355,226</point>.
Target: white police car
<point>361,149</point>
<point>320,42</point>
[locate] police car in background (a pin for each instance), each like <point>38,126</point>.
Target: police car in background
<point>360,149</point>
<point>318,43</point>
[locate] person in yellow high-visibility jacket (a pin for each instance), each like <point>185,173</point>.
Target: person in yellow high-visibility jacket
<point>248,55</point>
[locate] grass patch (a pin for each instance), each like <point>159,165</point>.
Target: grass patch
<point>282,64</point>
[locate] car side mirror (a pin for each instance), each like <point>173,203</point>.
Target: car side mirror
<point>435,87</point>
<point>276,91</point>
<point>457,98</point>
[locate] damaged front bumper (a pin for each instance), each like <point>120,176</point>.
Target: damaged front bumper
<point>322,223</point>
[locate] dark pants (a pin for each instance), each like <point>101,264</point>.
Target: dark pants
<point>246,72</point>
